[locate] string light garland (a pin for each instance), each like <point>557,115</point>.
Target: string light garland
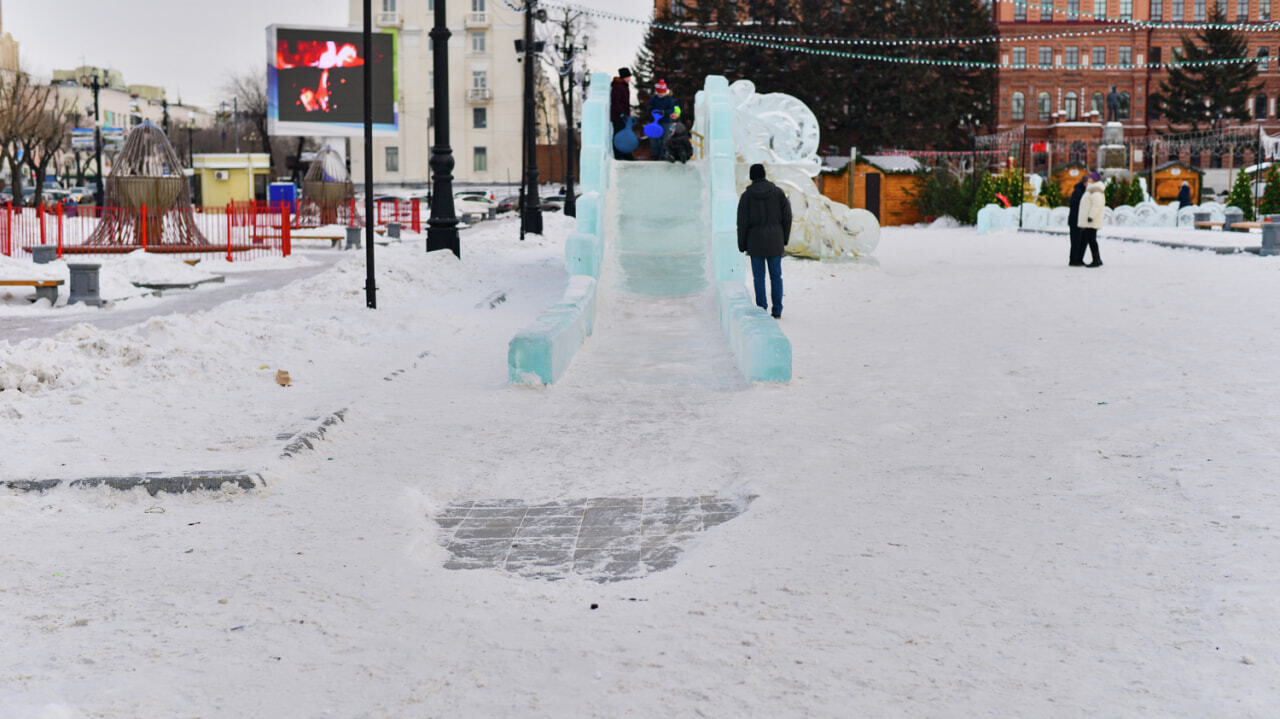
<point>761,41</point>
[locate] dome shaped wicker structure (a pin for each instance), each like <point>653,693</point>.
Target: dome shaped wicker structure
<point>147,174</point>
<point>327,185</point>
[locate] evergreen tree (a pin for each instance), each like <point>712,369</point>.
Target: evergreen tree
<point>1270,202</point>
<point>862,103</point>
<point>1051,194</point>
<point>1112,191</point>
<point>1136,195</point>
<point>1228,87</point>
<point>986,194</point>
<point>1242,195</point>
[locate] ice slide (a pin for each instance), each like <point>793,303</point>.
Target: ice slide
<point>655,276</point>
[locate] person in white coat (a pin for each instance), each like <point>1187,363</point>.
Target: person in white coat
<point>1092,208</point>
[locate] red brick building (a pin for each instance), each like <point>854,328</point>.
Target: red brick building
<point>1048,81</point>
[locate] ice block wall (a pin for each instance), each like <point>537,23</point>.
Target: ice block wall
<point>542,351</point>
<point>762,350</point>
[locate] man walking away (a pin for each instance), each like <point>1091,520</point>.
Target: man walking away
<point>620,106</point>
<point>764,227</point>
<point>1092,210</point>
<point>1076,256</point>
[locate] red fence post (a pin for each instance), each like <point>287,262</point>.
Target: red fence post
<point>40,219</point>
<point>228,218</point>
<point>352,212</point>
<point>59,230</point>
<point>286,245</point>
<point>143,215</point>
<point>415,216</point>
<point>6,247</point>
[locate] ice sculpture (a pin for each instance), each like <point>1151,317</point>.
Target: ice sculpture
<point>781,133</point>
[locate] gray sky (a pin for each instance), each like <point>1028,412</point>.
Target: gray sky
<point>190,46</point>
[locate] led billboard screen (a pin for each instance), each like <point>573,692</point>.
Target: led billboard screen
<point>315,81</point>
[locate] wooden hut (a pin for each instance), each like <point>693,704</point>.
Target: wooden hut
<point>1066,176</point>
<point>885,185</point>
<point>1169,178</point>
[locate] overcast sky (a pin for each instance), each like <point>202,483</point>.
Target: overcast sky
<point>190,46</point>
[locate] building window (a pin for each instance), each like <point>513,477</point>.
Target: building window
<point>1046,58</point>
<point>1264,10</point>
<point>1019,106</point>
<point>388,5</point>
<point>1197,11</point>
<point>1046,10</point>
<point>1071,107</point>
<point>1155,56</point>
<point>1264,59</point>
<point>479,118</point>
<point>1179,7</point>
<point>1099,56</point>
<point>1072,57</point>
<point>1260,107</point>
<point>1124,106</point>
<point>677,8</point>
<point>1157,10</point>
<point>477,5</point>
<point>1098,105</point>
<point>479,79</point>
<point>1099,9</point>
<point>1242,10</point>
<point>1019,57</point>
<point>1126,57</point>
<point>480,159</point>
<point>1175,55</point>
<point>1043,107</point>
<point>477,42</point>
<point>1019,12</point>
<point>393,159</point>
<point>1126,9</point>
<point>1073,9</point>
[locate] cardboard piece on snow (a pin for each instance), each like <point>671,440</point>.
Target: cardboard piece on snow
<point>282,378</point>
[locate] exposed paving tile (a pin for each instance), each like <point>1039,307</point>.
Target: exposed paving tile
<point>601,538</point>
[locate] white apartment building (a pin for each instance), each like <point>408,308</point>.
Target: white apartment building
<point>486,91</point>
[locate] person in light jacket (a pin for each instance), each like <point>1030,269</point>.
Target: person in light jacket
<point>1092,209</point>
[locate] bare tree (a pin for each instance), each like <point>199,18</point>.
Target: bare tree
<point>22,104</point>
<point>48,133</point>
<point>249,90</point>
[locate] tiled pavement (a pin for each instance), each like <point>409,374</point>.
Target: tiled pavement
<point>602,538</point>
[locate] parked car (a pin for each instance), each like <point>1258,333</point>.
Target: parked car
<point>470,202</point>
<point>555,203</point>
<point>510,203</point>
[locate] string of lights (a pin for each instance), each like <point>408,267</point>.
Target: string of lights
<point>760,41</point>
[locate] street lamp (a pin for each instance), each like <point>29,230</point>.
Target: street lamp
<point>442,226</point>
<point>570,55</point>
<point>98,194</point>
<point>531,212</point>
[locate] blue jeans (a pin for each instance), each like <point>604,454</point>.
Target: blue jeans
<point>775,281</point>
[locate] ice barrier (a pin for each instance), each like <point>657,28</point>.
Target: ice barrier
<point>762,351</point>
<point>542,351</point>
<point>992,218</point>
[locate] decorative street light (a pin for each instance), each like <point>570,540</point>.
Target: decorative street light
<point>531,212</point>
<point>442,226</point>
<point>370,290</point>
<point>98,194</point>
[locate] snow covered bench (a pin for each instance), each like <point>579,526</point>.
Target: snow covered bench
<point>45,289</point>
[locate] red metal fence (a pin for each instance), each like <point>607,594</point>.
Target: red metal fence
<point>237,232</point>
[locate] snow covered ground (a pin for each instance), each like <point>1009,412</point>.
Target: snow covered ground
<point>997,486</point>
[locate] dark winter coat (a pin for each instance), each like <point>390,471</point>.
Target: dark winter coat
<point>1184,196</point>
<point>679,142</point>
<point>665,104</point>
<point>619,101</point>
<point>764,220</point>
<point>1077,194</point>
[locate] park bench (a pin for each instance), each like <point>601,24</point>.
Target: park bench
<point>1245,226</point>
<point>45,289</point>
<point>1207,225</point>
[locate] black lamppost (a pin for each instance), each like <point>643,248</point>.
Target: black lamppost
<point>569,50</point>
<point>191,123</point>
<point>370,290</point>
<point>531,213</point>
<point>442,226</point>
<point>98,195</point>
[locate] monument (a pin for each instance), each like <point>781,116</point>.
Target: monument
<point>1113,154</point>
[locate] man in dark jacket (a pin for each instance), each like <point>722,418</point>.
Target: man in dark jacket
<point>620,105</point>
<point>1076,256</point>
<point>764,227</point>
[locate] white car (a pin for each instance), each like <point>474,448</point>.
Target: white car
<point>471,202</point>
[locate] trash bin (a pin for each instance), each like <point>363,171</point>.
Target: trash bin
<point>1201,217</point>
<point>84,283</point>
<point>1270,238</point>
<point>353,237</point>
<point>393,230</point>
<point>1232,215</point>
<point>42,254</point>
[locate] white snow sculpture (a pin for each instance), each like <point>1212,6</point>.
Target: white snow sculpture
<point>1058,216</point>
<point>1124,216</point>
<point>781,133</point>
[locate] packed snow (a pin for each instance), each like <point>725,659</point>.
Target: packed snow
<point>996,486</point>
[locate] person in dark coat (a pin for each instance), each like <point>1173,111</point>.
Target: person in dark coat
<point>663,102</point>
<point>1075,257</point>
<point>1184,195</point>
<point>764,227</point>
<point>679,141</point>
<point>620,106</point>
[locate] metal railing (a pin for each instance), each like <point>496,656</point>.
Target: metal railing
<point>479,94</point>
<point>388,19</point>
<point>476,19</point>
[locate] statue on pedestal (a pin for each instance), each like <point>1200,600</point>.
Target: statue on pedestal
<point>1113,105</point>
